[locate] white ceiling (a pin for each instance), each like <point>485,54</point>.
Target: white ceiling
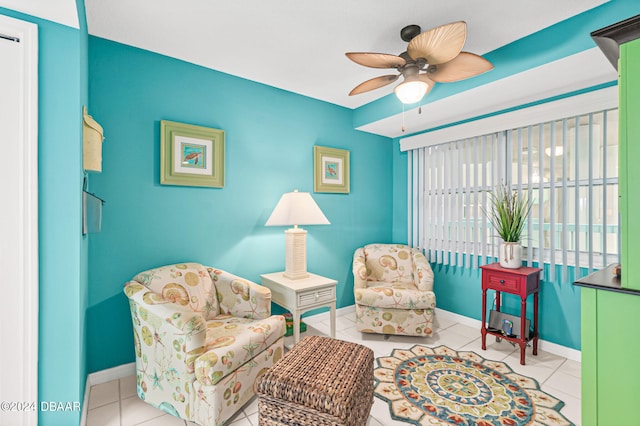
<point>61,11</point>
<point>299,45</point>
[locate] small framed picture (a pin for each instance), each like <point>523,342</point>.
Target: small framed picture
<point>330,170</point>
<point>191,155</point>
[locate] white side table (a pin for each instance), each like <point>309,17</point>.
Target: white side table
<point>302,295</point>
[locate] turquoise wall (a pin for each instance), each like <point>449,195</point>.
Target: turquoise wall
<point>83,36</point>
<point>62,249</point>
<point>270,136</point>
<point>400,195</point>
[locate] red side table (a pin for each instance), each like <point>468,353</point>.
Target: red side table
<point>522,282</point>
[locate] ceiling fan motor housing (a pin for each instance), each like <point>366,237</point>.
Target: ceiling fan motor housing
<point>409,32</point>
<point>410,71</point>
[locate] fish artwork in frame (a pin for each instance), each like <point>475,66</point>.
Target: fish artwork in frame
<point>191,155</point>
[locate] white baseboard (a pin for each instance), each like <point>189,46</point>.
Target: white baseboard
<point>104,376</point>
<point>544,345</point>
<point>119,372</point>
<point>452,316</point>
<point>324,316</point>
<point>551,347</point>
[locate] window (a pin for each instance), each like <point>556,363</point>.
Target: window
<point>569,167</point>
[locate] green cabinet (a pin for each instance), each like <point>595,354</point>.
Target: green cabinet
<point>610,352</point>
<point>610,306</point>
<point>629,172</point>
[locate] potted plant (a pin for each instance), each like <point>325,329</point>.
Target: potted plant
<point>508,213</point>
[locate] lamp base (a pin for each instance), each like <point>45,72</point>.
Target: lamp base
<point>295,277</point>
<point>296,254</point>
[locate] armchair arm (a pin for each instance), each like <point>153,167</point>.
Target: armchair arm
<point>239,297</point>
<point>165,330</point>
<point>422,271</point>
<point>359,269</point>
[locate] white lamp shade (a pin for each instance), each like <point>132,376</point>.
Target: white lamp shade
<point>296,208</point>
<point>411,92</point>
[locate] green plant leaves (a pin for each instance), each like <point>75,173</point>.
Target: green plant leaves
<point>508,212</point>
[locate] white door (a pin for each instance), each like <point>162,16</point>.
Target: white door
<point>18,223</point>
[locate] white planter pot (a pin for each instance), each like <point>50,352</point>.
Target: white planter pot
<point>510,255</point>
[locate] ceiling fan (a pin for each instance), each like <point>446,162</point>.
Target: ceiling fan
<point>432,56</point>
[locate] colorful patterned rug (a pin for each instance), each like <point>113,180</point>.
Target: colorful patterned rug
<point>439,386</point>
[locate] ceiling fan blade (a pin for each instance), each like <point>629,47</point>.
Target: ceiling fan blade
<point>374,83</point>
<point>463,66</point>
<point>440,44</point>
<point>376,60</point>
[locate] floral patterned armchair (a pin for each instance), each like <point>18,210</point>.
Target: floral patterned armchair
<point>393,288</point>
<point>202,337</point>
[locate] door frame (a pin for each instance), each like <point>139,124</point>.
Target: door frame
<point>27,293</point>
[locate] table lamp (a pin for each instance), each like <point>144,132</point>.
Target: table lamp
<point>296,208</point>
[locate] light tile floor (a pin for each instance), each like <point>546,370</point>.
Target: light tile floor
<point>115,403</point>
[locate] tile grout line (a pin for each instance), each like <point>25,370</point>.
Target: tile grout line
<point>554,372</point>
<point>97,406</point>
<point>554,388</point>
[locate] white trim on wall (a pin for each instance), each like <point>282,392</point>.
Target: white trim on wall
<point>25,290</point>
<point>325,316</point>
<point>585,103</point>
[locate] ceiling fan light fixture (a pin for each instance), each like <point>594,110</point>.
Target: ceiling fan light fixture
<point>410,92</point>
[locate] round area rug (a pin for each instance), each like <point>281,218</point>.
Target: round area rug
<point>439,386</point>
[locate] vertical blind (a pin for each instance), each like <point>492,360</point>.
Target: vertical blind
<point>568,167</point>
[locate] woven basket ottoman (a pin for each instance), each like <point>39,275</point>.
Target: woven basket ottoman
<point>321,381</point>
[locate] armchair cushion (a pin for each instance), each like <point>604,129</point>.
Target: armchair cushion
<point>399,295</point>
<point>186,284</point>
<point>239,297</point>
<point>161,322</point>
<point>232,341</point>
<point>389,263</point>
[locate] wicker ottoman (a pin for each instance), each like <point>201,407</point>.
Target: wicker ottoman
<point>321,381</point>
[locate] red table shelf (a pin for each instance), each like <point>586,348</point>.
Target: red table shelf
<point>521,282</point>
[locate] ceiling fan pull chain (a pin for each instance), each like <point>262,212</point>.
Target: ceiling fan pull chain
<point>402,118</point>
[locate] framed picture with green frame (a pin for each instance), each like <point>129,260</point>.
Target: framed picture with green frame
<point>191,155</point>
<point>330,170</point>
